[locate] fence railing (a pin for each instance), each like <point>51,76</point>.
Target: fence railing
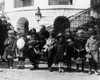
<point>81,18</point>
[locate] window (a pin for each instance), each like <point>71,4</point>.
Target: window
<point>2,5</point>
<point>28,2</point>
<point>24,3</point>
<point>60,2</point>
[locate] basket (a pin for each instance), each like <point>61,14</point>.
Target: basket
<point>79,60</point>
<point>9,57</point>
<point>88,56</point>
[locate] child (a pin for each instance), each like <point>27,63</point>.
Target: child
<point>80,51</point>
<point>69,48</point>
<point>60,50</point>
<point>9,53</point>
<point>21,51</point>
<point>69,52</point>
<point>49,47</point>
<point>92,47</point>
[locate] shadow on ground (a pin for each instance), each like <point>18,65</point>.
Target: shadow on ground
<point>43,66</point>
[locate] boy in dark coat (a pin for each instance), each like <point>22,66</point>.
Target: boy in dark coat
<point>69,48</point>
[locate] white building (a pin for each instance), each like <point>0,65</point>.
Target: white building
<point>50,10</point>
<point>21,13</point>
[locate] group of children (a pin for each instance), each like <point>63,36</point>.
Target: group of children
<point>79,50</point>
<point>61,49</point>
<point>12,51</point>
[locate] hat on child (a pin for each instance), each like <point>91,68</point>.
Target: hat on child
<point>60,35</point>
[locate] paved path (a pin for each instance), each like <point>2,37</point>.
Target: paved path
<point>42,74</point>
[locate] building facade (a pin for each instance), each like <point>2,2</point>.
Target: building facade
<point>50,10</point>
<point>22,13</point>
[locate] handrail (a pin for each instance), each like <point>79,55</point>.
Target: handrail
<point>85,10</point>
<point>74,16</point>
<point>82,12</point>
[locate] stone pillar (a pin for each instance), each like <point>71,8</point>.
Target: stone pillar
<point>82,3</point>
<point>44,3</point>
<point>9,4</point>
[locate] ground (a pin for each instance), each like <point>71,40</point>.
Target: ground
<point>42,73</point>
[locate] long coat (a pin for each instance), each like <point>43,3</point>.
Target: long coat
<point>43,35</point>
<point>69,48</point>
<point>60,50</point>
<point>80,47</point>
<point>92,46</point>
<point>10,51</point>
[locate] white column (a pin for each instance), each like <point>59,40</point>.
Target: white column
<point>41,3</point>
<point>9,4</point>
<point>82,3</point>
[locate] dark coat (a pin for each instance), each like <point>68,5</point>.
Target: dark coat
<point>60,50</point>
<point>3,36</point>
<point>69,46</point>
<point>34,40</point>
<point>80,43</point>
<point>43,35</point>
<point>80,51</point>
